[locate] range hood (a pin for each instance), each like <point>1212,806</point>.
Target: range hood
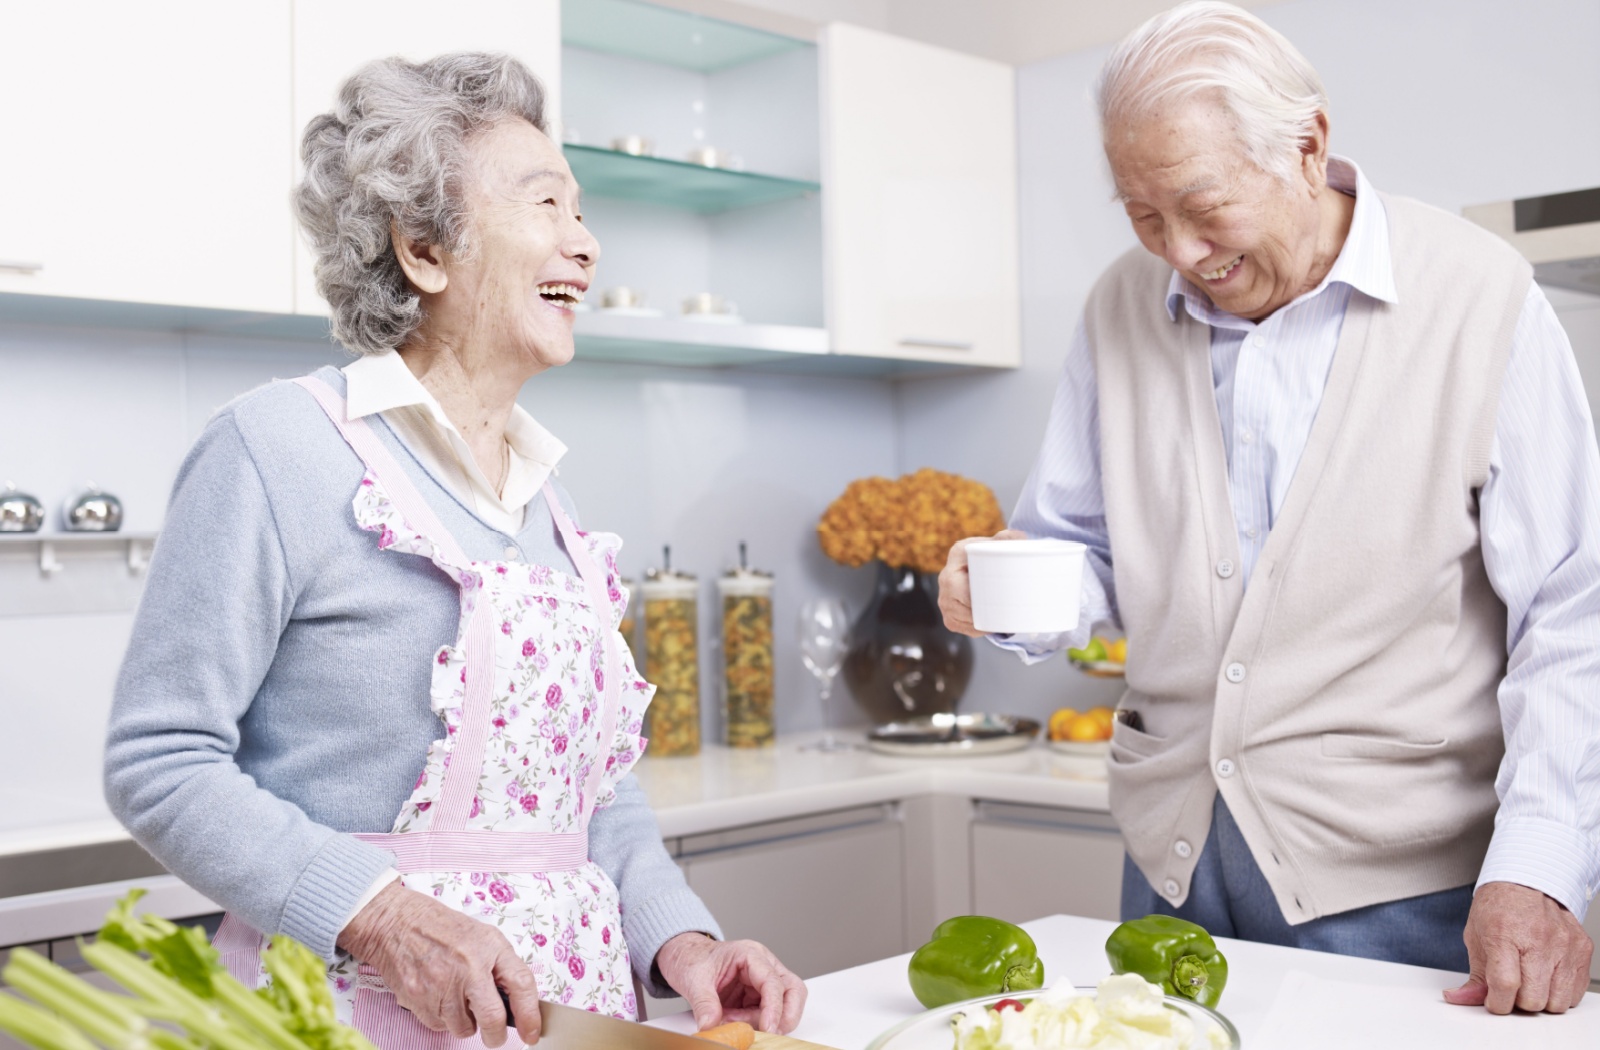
<point>1558,233</point>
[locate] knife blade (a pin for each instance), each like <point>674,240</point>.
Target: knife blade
<point>568,1028</point>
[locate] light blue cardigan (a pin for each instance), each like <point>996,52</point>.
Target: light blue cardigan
<point>274,698</point>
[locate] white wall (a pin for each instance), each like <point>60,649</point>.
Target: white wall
<point>697,458</point>
<point>1452,101</point>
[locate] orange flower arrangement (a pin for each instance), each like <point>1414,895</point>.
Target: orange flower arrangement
<point>910,522</point>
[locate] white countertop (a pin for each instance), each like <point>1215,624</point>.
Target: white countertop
<point>1279,998</point>
<point>724,788</point>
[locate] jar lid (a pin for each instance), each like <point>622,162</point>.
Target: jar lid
<point>743,581</point>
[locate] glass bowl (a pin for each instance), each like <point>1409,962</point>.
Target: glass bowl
<point>931,1030</point>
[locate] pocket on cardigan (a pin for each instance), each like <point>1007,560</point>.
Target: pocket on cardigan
<point>1350,745</point>
<point>1136,741</point>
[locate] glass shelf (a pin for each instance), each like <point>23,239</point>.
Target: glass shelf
<point>601,337</point>
<point>659,34</point>
<point>677,183</point>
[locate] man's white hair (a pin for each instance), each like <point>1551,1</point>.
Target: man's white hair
<point>1205,48</point>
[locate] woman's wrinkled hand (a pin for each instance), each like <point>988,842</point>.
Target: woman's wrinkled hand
<point>955,589</point>
<point>732,981</point>
<point>443,966</point>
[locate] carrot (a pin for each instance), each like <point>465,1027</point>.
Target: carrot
<point>736,1034</point>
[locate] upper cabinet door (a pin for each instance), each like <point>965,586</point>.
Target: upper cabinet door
<point>919,190</point>
<point>334,38</point>
<point>143,152</point>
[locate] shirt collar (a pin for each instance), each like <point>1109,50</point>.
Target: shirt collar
<point>1365,263</point>
<point>380,382</point>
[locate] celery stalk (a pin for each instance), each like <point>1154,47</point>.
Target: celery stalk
<point>106,1018</point>
<point>39,1027</point>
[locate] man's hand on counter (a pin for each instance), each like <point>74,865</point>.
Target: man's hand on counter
<point>443,966</point>
<point>732,981</point>
<point>1525,950</point>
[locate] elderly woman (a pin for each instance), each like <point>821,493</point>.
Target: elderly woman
<point>1333,464</point>
<point>375,697</point>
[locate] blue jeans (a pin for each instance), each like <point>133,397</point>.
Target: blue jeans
<point>1230,897</point>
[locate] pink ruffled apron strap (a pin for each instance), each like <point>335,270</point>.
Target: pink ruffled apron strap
<point>472,735</point>
<point>378,459</point>
<point>594,578</point>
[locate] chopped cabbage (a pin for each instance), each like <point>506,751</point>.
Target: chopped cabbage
<point>1125,1013</point>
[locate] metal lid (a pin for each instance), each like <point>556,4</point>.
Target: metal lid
<point>667,582</point>
<point>743,579</point>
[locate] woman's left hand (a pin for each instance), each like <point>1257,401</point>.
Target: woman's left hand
<point>732,981</point>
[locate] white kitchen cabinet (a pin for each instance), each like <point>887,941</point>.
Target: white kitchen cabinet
<point>334,38</point>
<point>144,157</point>
<point>919,173</point>
<point>823,892</point>
<point>1031,861</point>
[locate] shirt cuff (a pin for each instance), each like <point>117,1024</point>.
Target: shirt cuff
<point>1559,861</point>
<point>366,898</point>
<point>1037,648</point>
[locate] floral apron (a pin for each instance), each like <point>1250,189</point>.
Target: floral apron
<point>542,709</point>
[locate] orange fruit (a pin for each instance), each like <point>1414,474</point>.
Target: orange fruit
<point>1104,716</point>
<point>1117,651</point>
<point>1058,723</point>
<point>1085,728</point>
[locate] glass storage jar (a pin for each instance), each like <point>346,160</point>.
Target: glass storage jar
<point>672,661</point>
<point>747,656</point>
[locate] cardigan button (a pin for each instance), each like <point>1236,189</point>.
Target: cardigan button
<point>1172,889</point>
<point>512,554</point>
<point>1235,672</point>
<point>1225,767</point>
<point>1183,849</point>
<point>1224,568</point>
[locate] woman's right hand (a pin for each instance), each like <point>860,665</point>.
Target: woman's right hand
<point>445,967</point>
<point>955,589</point>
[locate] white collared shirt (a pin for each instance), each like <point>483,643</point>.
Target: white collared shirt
<point>381,383</point>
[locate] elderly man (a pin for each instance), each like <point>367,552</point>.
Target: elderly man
<point>1331,457</point>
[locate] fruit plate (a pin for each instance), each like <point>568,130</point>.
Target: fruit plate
<point>947,735</point>
<point>931,1030</point>
<point>1098,668</point>
<point>1081,748</point>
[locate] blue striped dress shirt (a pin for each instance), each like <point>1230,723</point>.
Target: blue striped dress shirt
<point>1539,516</point>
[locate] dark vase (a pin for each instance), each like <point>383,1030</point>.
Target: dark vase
<point>902,661</point>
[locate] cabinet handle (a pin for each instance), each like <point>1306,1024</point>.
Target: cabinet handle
<point>15,266</point>
<point>937,344</point>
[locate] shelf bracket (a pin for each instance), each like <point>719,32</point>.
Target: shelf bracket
<point>48,565</point>
<point>138,560</point>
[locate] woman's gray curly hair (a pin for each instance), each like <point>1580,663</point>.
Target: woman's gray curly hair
<point>393,154</point>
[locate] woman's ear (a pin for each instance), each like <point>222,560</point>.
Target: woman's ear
<point>422,262</point>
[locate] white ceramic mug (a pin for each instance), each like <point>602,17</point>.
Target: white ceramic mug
<point>1025,586</point>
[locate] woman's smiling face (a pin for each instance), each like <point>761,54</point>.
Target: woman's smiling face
<point>532,259</point>
<point>1252,241</point>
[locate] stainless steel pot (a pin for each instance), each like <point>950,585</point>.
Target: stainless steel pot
<point>19,512</point>
<point>92,511</point>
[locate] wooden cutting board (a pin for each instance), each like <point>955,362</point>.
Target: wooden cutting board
<point>768,1041</point>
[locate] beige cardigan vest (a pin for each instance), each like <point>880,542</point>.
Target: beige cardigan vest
<point>1345,705</point>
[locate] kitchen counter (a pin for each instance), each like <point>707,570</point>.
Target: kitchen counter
<point>1279,998</point>
<point>723,787</point>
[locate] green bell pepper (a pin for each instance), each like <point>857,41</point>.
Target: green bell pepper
<point>971,955</point>
<point>1176,954</point>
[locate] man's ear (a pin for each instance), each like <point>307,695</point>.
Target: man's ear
<point>422,262</point>
<point>1314,151</point>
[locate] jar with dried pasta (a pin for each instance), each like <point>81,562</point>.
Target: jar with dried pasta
<point>747,655</point>
<point>672,661</point>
